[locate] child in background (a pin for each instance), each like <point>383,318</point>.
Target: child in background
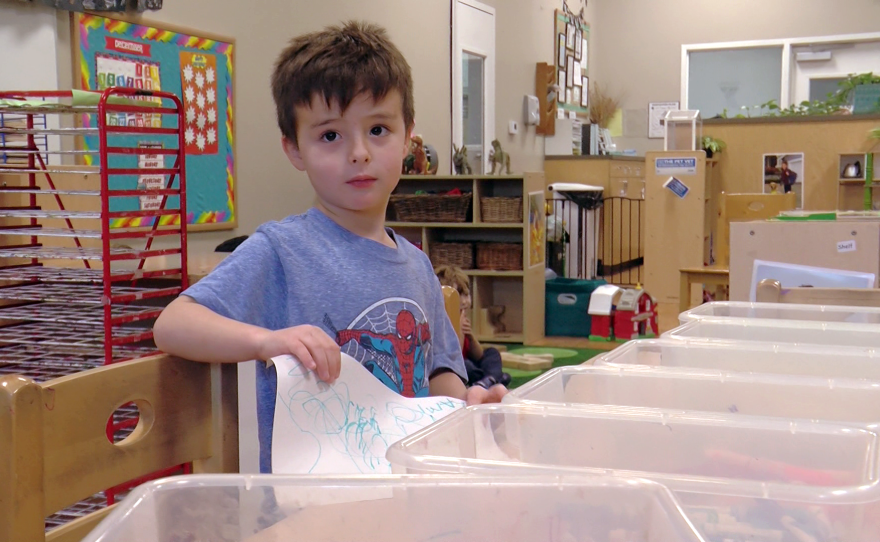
<point>483,364</point>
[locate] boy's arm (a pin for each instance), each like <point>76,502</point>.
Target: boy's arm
<point>475,349</point>
<point>448,384</point>
<point>195,332</point>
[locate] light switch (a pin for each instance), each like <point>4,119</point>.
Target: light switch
<point>513,127</point>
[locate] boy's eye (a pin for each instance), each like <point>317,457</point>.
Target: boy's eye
<point>378,130</point>
<point>329,137</point>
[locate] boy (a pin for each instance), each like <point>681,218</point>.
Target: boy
<point>334,278</point>
<point>483,364</point>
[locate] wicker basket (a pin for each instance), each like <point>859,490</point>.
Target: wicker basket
<point>457,254</point>
<point>431,207</point>
<point>500,256</point>
<point>501,209</point>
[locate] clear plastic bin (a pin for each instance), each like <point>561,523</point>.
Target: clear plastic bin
<point>782,311</point>
<point>783,359</point>
<point>848,401</point>
<point>725,330</point>
<point>737,479</point>
<point>236,508</point>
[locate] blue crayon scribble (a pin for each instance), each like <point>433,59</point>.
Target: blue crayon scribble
<point>353,431</point>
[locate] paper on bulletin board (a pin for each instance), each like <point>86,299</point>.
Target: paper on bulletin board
<point>615,126</point>
<point>346,427</point>
<point>656,110</point>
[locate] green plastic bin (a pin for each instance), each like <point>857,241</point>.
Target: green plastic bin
<point>566,304</point>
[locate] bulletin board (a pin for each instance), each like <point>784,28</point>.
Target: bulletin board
<point>572,37</point>
<point>196,67</point>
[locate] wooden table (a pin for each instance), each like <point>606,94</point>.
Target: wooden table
<point>713,276</point>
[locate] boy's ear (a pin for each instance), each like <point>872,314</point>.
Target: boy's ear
<point>292,151</point>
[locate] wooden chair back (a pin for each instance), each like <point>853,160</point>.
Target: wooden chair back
<point>771,291</point>
<point>55,451</point>
<point>453,308</point>
<point>745,208</point>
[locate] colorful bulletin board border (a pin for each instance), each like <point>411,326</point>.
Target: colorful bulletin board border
<point>571,43</point>
<point>195,66</point>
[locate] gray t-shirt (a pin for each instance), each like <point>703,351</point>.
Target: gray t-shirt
<point>384,305</point>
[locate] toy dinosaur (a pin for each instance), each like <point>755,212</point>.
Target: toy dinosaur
<point>498,157</point>
<point>416,162</point>
<point>460,160</point>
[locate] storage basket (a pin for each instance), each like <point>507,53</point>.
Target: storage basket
<point>500,256</point>
<point>431,207</point>
<point>457,254</point>
<point>501,209</point>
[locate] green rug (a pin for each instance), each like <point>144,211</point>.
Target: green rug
<point>561,358</point>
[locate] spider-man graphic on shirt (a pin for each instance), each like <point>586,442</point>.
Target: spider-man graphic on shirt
<point>392,339</point>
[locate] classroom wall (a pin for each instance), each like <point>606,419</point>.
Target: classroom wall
<point>269,188</point>
<point>639,44</point>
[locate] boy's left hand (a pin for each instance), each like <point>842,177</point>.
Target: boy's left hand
<point>478,395</point>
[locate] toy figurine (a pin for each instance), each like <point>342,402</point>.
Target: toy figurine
<point>416,163</point>
<point>498,157</point>
<point>460,160</point>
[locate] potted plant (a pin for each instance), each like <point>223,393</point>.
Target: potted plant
<point>711,145</point>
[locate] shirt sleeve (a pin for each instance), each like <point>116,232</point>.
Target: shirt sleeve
<point>248,286</point>
<point>446,351</point>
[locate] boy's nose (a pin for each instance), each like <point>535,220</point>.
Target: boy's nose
<point>359,152</point>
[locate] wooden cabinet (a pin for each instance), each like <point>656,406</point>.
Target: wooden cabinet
<point>518,292</point>
<point>622,178</point>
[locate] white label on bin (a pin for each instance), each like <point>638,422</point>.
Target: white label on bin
<point>847,246</point>
<point>566,299</point>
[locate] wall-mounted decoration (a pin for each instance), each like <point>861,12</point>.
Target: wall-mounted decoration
<point>656,110</point>
<point>572,34</point>
<point>195,66</point>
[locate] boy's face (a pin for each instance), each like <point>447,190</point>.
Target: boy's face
<point>353,159</point>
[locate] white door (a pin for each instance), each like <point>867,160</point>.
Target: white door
<point>473,80</point>
<point>814,79</point>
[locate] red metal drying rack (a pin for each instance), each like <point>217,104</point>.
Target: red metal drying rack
<point>61,320</point>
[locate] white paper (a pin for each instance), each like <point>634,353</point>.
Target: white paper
<point>846,246</point>
<point>656,110</point>
<point>344,428</point>
<point>795,276</point>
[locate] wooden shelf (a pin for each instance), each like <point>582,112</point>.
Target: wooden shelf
<point>505,225</point>
<point>490,273</point>
<point>860,182</point>
<point>520,292</point>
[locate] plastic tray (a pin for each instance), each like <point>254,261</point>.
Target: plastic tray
<point>252,508</point>
<point>738,479</point>
<point>848,401</point>
<point>865,337</point>
<point>778,311</point>
<point>782,359</point>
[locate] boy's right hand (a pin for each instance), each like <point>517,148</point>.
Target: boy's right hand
<point>465,324</point>
<point>316,350</point>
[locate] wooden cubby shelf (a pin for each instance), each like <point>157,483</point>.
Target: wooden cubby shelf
<point>519,293</point>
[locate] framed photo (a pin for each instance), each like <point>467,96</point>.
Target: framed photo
<point>569,36</point>
<point>578,44</point>
<point>577,73</point>
<point>560,60</point>
<point>585,92</point>
<point>561,83</point>
<point>568,95</point>
<point>784,173</point>
<point>576,95</point>
<point>569,68</point>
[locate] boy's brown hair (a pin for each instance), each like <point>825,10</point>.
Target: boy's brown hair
<point>338,64</point>
<point>451,275</point>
